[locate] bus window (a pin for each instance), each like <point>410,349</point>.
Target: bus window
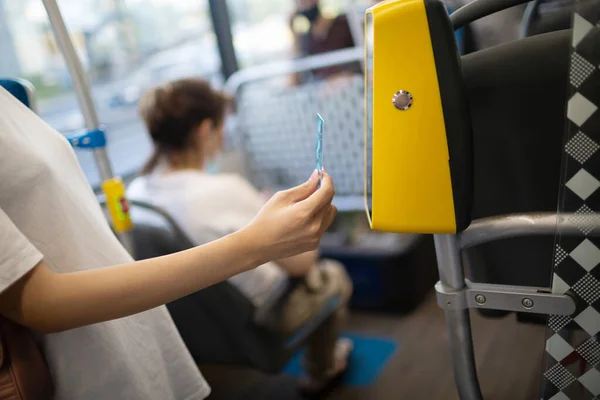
<point>126,46</point>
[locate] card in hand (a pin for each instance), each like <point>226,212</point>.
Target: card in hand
<point>320,128</point>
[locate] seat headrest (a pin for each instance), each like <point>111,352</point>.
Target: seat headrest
<point>20,89</point>
<point>535,58</point>
<point>155,233</point>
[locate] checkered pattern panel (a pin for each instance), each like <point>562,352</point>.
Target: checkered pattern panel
<point>590,351</point>
<point>559,255</point>
<point>581,70</point>
<point>581,147</point>
<point>572,348</point>
<point>277,131</point>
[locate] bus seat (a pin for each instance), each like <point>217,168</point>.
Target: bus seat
<point>218,324</point>
<point>250,384</point>
<point>21,89</point>
<point>517,94</point>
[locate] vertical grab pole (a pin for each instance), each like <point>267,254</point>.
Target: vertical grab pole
<point>357,29</point>
<point>355,23</point>
<point>452,277</point>
<point>94,138</point>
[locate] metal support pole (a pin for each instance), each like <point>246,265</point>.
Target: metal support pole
<point>355,23</point>
<point>82,91</point>
<point>221,21</point>
<point>80,83</point>
<point>356,26</point>
<point>458,321</point>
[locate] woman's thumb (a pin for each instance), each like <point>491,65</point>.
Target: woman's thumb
<point>303,191</point>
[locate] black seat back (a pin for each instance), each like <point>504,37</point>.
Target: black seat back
<point>216,323</point>
<point>554,15</point>
<point>517,93</point>
<point>155,233</point>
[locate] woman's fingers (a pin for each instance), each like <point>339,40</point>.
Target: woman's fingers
<point>329,217</point>
<point>302,191</point>
<point>322,197</point>
<point>323,219</point>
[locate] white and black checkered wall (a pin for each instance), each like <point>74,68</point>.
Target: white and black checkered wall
<point>572,347</point>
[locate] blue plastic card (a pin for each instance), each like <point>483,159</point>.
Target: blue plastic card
<point>320,128</point>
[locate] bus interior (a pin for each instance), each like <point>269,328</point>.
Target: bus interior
<point>481,282</point>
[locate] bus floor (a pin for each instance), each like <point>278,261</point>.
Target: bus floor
<point>509,359</point>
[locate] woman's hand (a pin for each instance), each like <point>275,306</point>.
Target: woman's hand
<point>293,221</point>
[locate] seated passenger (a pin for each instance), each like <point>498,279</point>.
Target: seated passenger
<point>185,120</point>
<point>314,34</point>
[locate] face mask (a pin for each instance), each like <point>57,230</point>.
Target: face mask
<point>312,13</point>
<point>213,166</point>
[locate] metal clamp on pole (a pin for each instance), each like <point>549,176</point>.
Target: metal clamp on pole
<point>94,137</point>
<point>504,297</point>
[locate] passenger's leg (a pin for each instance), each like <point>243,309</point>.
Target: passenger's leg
<point>327,282</point>
<point>327,355</point>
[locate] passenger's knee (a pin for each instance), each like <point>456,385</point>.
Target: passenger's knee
<point>336,271</point>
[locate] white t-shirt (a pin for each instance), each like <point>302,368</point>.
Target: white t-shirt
<point>208,207</point>
<point>48,210</point>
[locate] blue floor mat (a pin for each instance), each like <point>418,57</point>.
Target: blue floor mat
<point>367,360</point>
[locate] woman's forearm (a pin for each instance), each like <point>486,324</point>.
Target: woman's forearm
<point>48,302</point>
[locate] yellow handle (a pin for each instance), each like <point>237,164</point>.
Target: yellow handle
<point>114,189</point>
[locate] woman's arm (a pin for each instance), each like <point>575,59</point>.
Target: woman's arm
<point>49,302</point>
<point>292,222</point>
<point>300,265</point>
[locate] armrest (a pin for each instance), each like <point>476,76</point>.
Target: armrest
<point>535,224</point>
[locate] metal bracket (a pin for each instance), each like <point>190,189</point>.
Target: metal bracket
<point>88,140</point>
<point>504,297</point>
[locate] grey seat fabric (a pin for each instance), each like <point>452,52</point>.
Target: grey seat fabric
<point>517,94</point>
